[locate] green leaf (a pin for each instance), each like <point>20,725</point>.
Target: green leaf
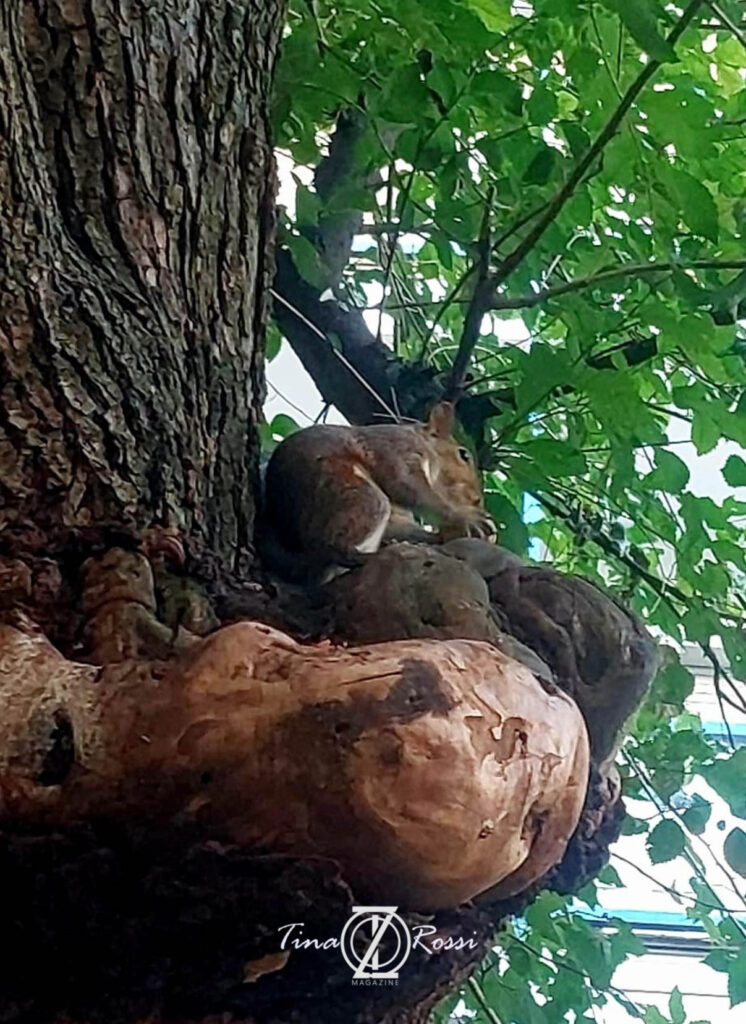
<point>521,961</point>
<point>307,206</point>
<point>540,169</point>
<point>718,960</point>
<point>624,942</point>
<point>674,683</point>
<point>654,1016</point>
<point>307,261</point>
<point>671,474</point>
<point>591,951</point>
<point>705,433</point>
<point>282,426</point>
<point>632,826</point>
<point>734,849</point>
<point>405,97</point>
<point>273,341</point>
<point>676,1007</point>
<point>555,457</point>
<point>734,471</point>
<point>734,642</point>
<point>494,14</point>
<point>610,876</point>
<point>542,105</point>
<point>577,137</point>
<point>696,817</point>
<point>511,528</point>
<point>713,580</point>
<point>666,841</point>
<point>588,894</point>
<point>726,776</point>
<point>616,402</point>
<point>542,370</point>
<point>640,17</point>
<point>498,92</point>
<point>694,203</point>
<point>442,1013</point>
<point>442,80</point>
<point>737,979</point>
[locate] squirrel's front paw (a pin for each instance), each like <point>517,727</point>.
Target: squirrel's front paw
<point>477,524</point>
<point>483,528</point>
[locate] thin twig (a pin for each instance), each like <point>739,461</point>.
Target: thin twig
<point>608,273</point>
<point>723,674</point>
<point>666,591</point>
<point>559,964</point>
<point>482,1000</point>
<point>676,893</point>
<point>518,224</point>
<point>286,400</point>
<point>687,853</point>
<point>404,197</point>
<point>721,703</point>
<point>342,358</point>
<point>393,240</point>
<point>447,302</point>
<point>726,20</point>
<point>479,305</point>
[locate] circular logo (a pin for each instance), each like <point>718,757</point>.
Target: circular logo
<point>375,942</point>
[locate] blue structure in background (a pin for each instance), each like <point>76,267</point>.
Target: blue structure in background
<point>532,513</point>
<point>671,922</point>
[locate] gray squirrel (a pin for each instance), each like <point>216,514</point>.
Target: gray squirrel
<point>334,494</point>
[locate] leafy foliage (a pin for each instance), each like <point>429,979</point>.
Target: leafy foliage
<point>611,342</point>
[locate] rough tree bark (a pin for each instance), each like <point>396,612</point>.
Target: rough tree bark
<point>136,221</point>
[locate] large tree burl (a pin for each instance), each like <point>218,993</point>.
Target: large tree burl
<point>564,629</point>
<point>430,770</point>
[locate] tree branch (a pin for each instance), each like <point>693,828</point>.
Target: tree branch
<point>726,20</point>
<point>478,306</point>
<point>556,204</point>
<point>516,257</point>
<point>481,998</point>
<point>337,170</point>
<point>360,374</point>
<point>607,274</point>
<point>590,281</point>
<point>313,327</point>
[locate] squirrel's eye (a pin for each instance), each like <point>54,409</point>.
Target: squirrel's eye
<point>465,454</point>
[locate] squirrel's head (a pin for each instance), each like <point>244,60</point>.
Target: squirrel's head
<point>457,473</point>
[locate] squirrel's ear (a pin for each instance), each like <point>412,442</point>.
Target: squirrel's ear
<point>440,420</point>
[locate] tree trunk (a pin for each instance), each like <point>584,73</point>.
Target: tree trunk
<point>136,229</point>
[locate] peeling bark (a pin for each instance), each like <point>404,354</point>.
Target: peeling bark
<point>136,221</point>
<point>429,771</point>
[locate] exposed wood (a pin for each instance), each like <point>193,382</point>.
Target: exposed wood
<point>430,771</point>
